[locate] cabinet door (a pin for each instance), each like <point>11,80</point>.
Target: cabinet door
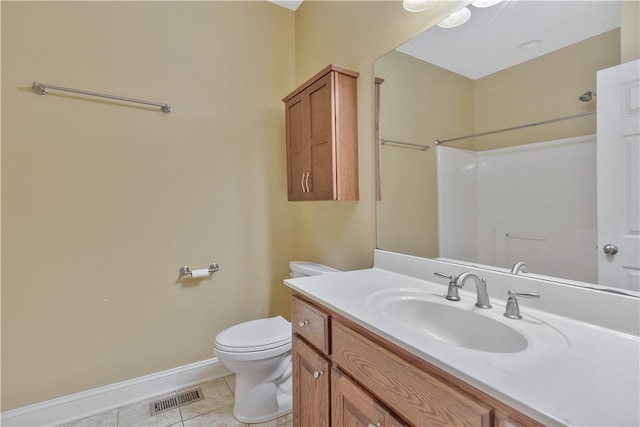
<point>310,386</point>
<point>322,182</point>
<point>297,119</point>
<point>352,406</point>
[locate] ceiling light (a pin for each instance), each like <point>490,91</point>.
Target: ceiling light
<point>485,3</point>
<point>417,5</point>
<point>456,19</point>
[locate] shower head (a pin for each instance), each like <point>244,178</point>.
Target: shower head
<point>587,96</point>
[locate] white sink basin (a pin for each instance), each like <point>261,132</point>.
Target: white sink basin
<point>434,317</point>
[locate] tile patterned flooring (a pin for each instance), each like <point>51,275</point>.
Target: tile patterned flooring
<point>214,410</point>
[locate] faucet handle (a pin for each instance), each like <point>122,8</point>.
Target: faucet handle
<point>445,276</point>
<point>514,294</point>
<point>512,310</point>
<point>452,291</point>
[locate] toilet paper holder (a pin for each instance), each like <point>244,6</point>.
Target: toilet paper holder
<point>186,271</point>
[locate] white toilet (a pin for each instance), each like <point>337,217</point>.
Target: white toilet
<point>259,353</point>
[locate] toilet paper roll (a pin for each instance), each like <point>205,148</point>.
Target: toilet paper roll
<point>203,272</point>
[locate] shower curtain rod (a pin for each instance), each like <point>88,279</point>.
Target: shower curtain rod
<point>388,141</point>
<point>42,88</point>
<point>559,119</point>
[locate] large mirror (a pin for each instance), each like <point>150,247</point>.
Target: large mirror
<point>524,194</point>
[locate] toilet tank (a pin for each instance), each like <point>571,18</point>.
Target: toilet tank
<point>305,268</point>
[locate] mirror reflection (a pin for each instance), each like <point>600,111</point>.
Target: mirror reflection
<point>523,75</point>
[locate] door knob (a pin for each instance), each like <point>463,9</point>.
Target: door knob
<point>610,249</point>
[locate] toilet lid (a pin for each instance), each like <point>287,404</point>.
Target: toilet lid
<point>255,335</point>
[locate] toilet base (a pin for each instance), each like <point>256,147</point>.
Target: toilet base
<point>255,420</point>
<point>250,406</point>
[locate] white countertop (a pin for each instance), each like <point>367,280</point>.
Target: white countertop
<point>572,373</point>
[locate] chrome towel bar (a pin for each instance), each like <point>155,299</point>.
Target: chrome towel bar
<point>43,88</point>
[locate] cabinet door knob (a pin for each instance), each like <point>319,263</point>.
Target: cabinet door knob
<point>373,425</point>
<point>317,374</point>
<point>303,323</point>
<point>302,182</point>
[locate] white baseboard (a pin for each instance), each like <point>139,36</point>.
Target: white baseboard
<point>90,402</point>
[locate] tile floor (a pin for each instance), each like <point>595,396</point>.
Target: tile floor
<point>215,410</point>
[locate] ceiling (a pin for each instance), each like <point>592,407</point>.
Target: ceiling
<point>489,41</point>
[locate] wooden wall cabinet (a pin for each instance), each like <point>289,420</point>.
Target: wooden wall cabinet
<point>344,375</point>
<point>321,119</point>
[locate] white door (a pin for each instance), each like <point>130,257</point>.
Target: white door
<point>618,189</point>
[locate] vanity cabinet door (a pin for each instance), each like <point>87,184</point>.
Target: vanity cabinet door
<point>310,386</point>
<point>352,406</point>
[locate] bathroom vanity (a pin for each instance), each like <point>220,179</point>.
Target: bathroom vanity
<point>383,347</point>
<point>361,379</point>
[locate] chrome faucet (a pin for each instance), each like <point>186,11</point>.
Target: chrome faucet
<point>520,266</point>
<point>481,288</point>
<point>452,290</point>
<point>512,310</point>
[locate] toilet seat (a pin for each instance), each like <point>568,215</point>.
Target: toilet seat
<point>255,335</point>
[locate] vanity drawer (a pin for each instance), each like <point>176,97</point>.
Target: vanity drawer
<point>421,398</point>
<point>310,323</point>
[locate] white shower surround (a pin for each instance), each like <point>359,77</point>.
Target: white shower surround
<point>543,214</point>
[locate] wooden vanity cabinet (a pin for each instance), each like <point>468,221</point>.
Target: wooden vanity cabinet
<point>322,137</point>
<point>345,375</point>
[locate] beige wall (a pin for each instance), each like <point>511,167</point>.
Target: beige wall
<point>103,201</point>
<point>419,104</point>
<point>541,89</point>
<point>354,35</point>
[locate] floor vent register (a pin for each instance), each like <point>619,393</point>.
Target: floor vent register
<point>160,406</point>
